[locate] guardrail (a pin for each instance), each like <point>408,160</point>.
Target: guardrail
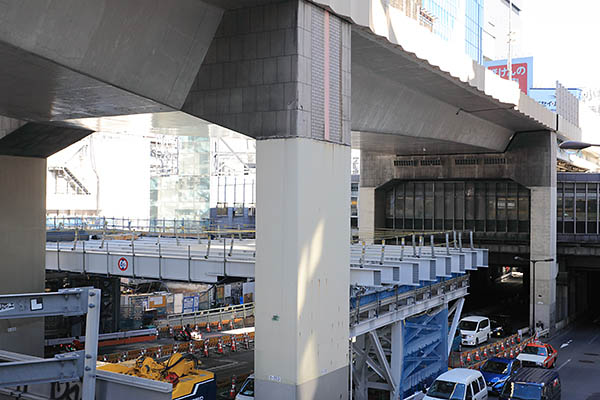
<point>155,226</point>
<point>211,316</point>
<point>390,305</point>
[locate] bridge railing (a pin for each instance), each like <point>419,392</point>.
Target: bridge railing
<point>150,225</point>
<point>208,316</point>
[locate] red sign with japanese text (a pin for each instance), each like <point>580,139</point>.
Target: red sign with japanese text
<point>520,73</point>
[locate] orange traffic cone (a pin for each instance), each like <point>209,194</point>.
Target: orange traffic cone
<point>477,358</point>
<point>233,345</point>
<point>208,327</point>
<point>502,346</point>
<point>219,327</point>
<point>468,358</point>
<point>219,347</point>
<point>232,390</point>
<point>485,353</point>
<point>205,348</point>
<point>247,341</point>
<point>462,360</point>
<point>512,354</point>
<point>231,324</point>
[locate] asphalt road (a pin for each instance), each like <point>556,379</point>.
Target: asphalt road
<point>579,360</point>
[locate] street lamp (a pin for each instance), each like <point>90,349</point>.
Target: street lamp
<point>575,145</point>
<point>533,280</point>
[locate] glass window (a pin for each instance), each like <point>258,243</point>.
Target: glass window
<point>580,207</point>
<point>592,208</point>
<point>389,204</point>
<point>459,201</point>
<point>475,386</point>
<point>481,383</point>
<point>419,200</point>
<point>446,390</point>
<point>429,206</point>
<point>439,205</point>
<point>448,205</point>
<point>400,201</point>
<point>409,201</point>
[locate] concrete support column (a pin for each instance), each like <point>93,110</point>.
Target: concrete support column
<point>22,246</point>
<point>302,276</point>
<point>543,246</point>
<point>538,150</point>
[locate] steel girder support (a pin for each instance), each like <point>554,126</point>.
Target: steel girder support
<point>457,309</point>
<point>397,358</point>
<point>383,360</point>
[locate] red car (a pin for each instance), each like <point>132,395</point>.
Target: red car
<point>538,354</point>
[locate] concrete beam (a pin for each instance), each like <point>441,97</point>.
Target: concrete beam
<point>274,71</point>
<point>121,56</point>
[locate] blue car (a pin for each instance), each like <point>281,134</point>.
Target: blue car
<point>496,372</point>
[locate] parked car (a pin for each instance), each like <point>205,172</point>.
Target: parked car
<point>538,354</point>
<point>532,384</point>
<point>458,384</point>
<point>502,325</point>
<point>496,372</point>
<point>247,390</point>
<point>475,330</point>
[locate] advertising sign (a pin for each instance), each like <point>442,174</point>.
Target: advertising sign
<point>547,96</point>
<point>522,71</point>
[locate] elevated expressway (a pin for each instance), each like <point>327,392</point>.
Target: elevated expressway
<point>396,291</point>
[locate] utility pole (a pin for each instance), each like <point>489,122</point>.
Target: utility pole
<point>509,62</point>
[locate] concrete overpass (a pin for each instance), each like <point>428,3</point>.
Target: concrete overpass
<point>280,72</point>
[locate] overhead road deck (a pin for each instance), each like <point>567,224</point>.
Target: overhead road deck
<point>205,261</point>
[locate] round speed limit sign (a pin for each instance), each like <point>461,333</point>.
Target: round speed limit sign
<point>123,264</point>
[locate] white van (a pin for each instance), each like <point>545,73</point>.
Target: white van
<point>247,390</point>
<point>458,384</point>
<point>475,330</point>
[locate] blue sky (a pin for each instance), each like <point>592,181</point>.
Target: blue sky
<point>564,39</point>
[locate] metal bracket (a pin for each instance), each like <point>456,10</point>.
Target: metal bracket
<point>26,370</point>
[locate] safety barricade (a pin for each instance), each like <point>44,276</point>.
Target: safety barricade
<point>509,347</point>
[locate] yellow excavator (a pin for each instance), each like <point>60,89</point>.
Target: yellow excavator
<point>180,370</point>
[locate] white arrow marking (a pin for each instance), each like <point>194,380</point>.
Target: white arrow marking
<point>562,346</point>
<point>563,364</point>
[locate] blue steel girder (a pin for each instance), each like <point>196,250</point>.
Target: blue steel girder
<point>420,342</point>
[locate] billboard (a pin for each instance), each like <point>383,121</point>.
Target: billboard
<point>522,71</point>
<point>547,96</point>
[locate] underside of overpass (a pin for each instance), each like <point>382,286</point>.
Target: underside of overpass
<point>280,72</point>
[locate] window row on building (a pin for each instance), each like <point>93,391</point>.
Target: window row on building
<point>486,206</point>
<point>577,207</point>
